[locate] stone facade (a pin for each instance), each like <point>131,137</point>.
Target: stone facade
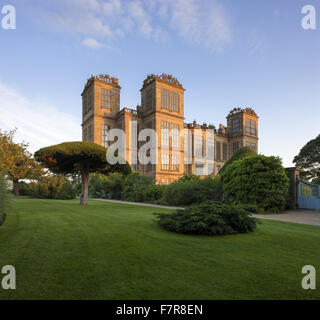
<point>182,147</point>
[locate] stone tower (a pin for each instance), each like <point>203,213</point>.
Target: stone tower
<point>162,109</point>
<point>100,105</point>
<point>242,130</point>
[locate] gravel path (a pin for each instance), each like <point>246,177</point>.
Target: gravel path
<point>299,216</point>
<point>138,204</point>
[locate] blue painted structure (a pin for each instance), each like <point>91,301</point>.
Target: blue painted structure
<point>308,195</point>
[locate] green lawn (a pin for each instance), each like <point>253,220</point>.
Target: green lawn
<point>112,251</point>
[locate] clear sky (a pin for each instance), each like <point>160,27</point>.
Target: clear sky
<point>226,53</point>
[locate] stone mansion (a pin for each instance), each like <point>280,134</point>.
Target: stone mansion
<point>162,109</point>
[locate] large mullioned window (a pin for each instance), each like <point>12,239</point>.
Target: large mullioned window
<point>87,101</point>
<point>198,146</point>
<point>225,152</point>
<point>235,125</point>
<point>149,99</point>
<point>165,134</point>
<point>170,100</point>
<point>165,163</point>
<point>210,148</point>
<point>174,102</point>
<point>105,136</point>
<point>251,127</point>
<point>175,136</point>
<point>218,151</point>
<point>175,162</point>
<point>165,99</point>
<point>106,98</point>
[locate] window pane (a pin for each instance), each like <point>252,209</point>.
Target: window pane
<point>165,134</point>
<point>198,145</point>
<point>235,125</point>
<point>175,102</point>
<point>106,98</point>
<point>225,152</point>
<point>253,127</point>
<point>218,151</point>
<point>175,136</point>
<point>165,98</point>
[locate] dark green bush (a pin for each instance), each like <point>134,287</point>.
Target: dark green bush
<point>210,218</point>
<point>4,200</point>
<point>149,193</point>
<point>140,188</point>
<point>106,187</point>
<point>252,208</point>
<point>256,180</point>
<point>54,187</point>
<point>185,192</point>
<point>133,187</point>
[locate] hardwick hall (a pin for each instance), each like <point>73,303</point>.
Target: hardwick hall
<point>162,109</point>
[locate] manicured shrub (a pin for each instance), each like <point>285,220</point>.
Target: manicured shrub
<point>4,200</point>
<point>133,187</point>
<point>252,208</point>
<point>140,188</point>
<point>106,187</point>
<point>210,218</point>
<point>240,154</point>
<point>256,180</point>
<point>53,187</point>
<point>186,192</point>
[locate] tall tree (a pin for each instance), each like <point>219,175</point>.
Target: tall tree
<point>309,158</point>
<point>78,157</point>
<point>16,162</point>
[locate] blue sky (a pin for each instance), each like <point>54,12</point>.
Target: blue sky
<point>226,54</point>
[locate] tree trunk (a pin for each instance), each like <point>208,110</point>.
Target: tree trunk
<point>16,190</point>
<point>85,188</point>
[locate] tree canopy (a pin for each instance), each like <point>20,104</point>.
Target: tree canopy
<point>79,157</point>
<point>309,158</point>
<point>16,162</point>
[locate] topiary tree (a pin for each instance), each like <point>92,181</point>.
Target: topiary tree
<point>240,154</point>
<point>257,180</point>
<point>78,157</point>
<point>309,159</point>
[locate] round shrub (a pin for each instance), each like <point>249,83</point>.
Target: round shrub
<point>256,180</point>
<point>210,218</point>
